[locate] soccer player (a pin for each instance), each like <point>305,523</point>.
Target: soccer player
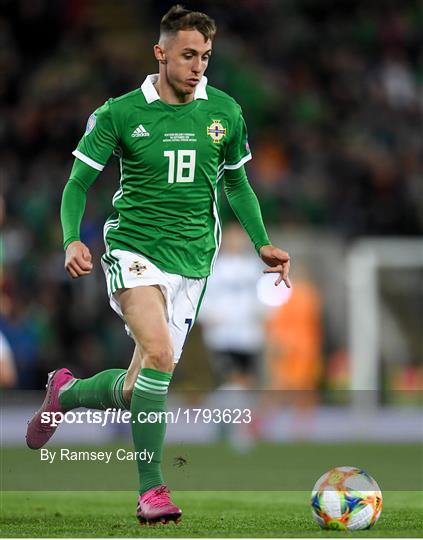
<point>176,138</point>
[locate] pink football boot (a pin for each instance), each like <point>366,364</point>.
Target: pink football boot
<point>38,433</point>
<point>154,506</point>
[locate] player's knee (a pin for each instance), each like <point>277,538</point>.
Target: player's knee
<point>160,358</point>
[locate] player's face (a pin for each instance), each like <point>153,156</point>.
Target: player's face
<point>187,57</point>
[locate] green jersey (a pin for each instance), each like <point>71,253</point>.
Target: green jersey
<point>171,160</point>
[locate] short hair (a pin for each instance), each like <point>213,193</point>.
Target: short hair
<point>179,18</point>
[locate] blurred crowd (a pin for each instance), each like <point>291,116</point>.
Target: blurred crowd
<point>332,93</point>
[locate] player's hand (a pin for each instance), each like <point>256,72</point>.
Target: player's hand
<point>78,260</point>
<point>278,261</point>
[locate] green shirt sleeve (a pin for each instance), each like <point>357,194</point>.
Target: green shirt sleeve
<point>93,151</point>
<point>99,140</point>
<point>238,150</point>
<point>74,199</point>
<point>245,205</point>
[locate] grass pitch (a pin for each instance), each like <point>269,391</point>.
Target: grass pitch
<point>261,493</point>
<point>206,514</point>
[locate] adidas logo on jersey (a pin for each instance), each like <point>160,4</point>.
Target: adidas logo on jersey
<point>140,132</point>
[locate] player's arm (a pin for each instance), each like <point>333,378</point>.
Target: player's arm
<point>245,205</point>
<point>92,153</point>
<point>78,257</point>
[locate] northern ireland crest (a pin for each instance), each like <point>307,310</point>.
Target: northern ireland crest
<point>138,268</point>
<point>216,131</point>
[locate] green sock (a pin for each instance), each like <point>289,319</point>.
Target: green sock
<point>102,391</point>
<point>149,396</point>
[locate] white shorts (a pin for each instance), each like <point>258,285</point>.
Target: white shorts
<point>183,296</point>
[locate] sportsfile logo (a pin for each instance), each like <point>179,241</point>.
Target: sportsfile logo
<point>140,131</point>
<point>180,414</point>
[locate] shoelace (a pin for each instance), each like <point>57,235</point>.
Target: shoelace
<point>45,428</point>
<point>162,493</point>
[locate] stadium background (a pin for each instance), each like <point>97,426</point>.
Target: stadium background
<point>332,96</point>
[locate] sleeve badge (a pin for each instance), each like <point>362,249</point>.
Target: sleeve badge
<point>90,124</point>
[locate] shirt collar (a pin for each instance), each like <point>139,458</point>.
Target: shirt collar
<point>150,93</point>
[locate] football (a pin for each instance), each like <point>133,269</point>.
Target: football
<point>346,498</point>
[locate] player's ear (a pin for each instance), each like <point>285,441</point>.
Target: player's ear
<point>159,54</point>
